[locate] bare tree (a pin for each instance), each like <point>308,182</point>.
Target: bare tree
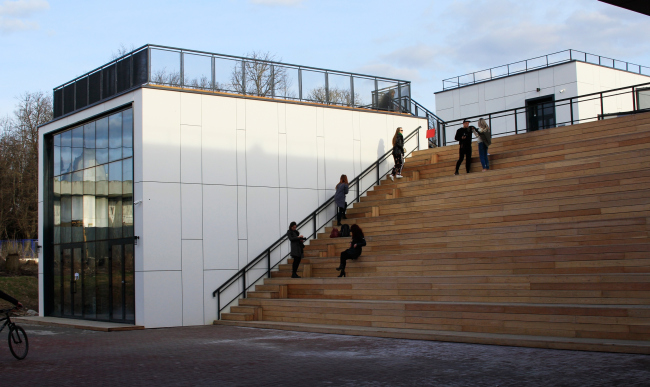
<point>19,165</point>
<point>121,51</point>
<point>336,96</point>
<point>259,77</point>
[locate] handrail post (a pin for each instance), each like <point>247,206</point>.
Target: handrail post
<point>182,80</point>
<point>602,112</point>
<point>377,166</point>
<point>243,278</point>
<point>633,99</point>
<point>571,106</point>
<point>516,124</point>
<point>358,190</point>
<point>418,135</point>
<point>314,215</point>
<point>268,263</point>
<point>218,305</point>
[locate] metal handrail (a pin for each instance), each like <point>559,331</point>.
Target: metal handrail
<point>312,218</point>
<point>569,102</point>
<point>574,55</point>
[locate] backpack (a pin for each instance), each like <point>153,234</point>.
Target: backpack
<point>335,233</point>
<point>345,231</point>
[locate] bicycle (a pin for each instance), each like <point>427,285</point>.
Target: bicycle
<point>18,343</point>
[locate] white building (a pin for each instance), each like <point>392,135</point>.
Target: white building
<point>535,86</point>
<point>153,192</point>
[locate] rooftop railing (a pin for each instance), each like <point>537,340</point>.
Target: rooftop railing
<point>541,62</point>
<point>189,69</point>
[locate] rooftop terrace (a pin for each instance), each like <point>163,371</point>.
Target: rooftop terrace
<point>161,66</point>
<point>541,62</point>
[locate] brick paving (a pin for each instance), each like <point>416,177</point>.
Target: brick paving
<point>233,356</point>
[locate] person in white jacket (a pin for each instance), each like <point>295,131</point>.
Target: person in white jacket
<point>483,138</point>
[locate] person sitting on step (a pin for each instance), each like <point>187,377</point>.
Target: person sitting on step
<point>297,247</point>
<point>354,252</point>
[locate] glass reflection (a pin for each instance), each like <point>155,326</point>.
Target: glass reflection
<point>92,203</point>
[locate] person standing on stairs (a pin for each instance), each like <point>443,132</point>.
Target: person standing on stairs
<point>398,154</point>
<point>483,138</point>
<point>354,252</point>
<point>339,198</point>
<point>297,247</point>
<point>464,138</point>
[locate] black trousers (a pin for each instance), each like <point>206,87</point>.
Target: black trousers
<point>461,155</point>
<point>340,214</point>
<point>296,263</point>
<point>399,164</point>
<point>345,256</point>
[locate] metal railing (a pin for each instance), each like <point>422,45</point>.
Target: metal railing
<point>541,62</point>
<point>562,112</point>
<point>200,70</point>
<point>278,251</point>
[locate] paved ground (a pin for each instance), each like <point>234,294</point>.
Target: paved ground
<point>231,356</point>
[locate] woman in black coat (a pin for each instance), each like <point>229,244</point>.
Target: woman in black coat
<point>354,252</point>
<point>297,247</point>
<point>398,154</point>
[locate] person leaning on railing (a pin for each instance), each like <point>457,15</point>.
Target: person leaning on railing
<point>7,297</point>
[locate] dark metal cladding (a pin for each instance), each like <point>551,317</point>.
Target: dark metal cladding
<point>81,93</point>
<point>95,87</point>
<point>58,103</point>
<point>68,98</point>
<point>108,81</point>
<point>123,74</point>
<point>140,68</point>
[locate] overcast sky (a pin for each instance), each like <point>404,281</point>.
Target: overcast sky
<point>46,43</point>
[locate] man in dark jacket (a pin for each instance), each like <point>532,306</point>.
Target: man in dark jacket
<point>7,297</point>
<point>464,138</point>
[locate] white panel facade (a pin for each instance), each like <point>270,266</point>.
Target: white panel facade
<point>560,81</point>
<point>219,179</point>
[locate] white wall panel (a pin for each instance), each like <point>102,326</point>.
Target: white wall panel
<point>282,117</point>
<point>282,159</point>
<point>493,89</point>
<point>469,110</point>
<point>161,231</point>
<point>531,80</point>
<point>468,95</point>
<point>161,133</point>
<point>212,279</point>
<point>192,276</point>
<point>546,78</point>
<point>220,246</point>
<point>243,253</point>
<point>515,84</point>
<point>242,220</point>
<point>190,154</point>
<point>302,202</point>
<point>162,299</point>
<point>241,113</point>
<point>445,100</point>
<point>356,129</point>
<point>261,144</point>
<point>241,157</point>
<point>190,109</point>
<point>138,212</point>
<point>284,210</point>
<point>301,147</point>
<point>263,203</point>
<point>320,143</point>
<point>564,74</point>
<point>219,156</point>
<point>374,142</point>
<point>495,105</point>
<point>192,211</point>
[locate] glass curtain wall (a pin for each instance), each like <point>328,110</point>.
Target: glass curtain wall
<point>93,220</point>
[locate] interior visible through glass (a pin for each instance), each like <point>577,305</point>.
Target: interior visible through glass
<point>92,197</point>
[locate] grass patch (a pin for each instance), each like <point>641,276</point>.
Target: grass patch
<point>22,288</point>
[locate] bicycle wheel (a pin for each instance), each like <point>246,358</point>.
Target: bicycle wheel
<point>18,344</point>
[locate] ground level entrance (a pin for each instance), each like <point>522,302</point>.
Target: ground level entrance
<point>95,280</point>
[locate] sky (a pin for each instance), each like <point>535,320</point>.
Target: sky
<point>45,43</point>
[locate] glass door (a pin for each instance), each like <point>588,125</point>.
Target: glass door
<point>540,113</point>
<point>122,272</point>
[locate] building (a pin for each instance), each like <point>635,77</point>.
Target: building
<point>166,171</point>
<point>545,89</point>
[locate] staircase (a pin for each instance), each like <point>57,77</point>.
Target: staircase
<point>548,249</point>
